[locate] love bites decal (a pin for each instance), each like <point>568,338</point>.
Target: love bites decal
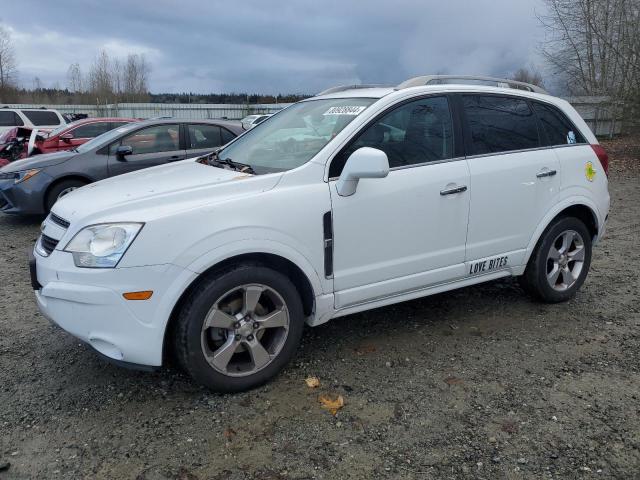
<point>483,266</point>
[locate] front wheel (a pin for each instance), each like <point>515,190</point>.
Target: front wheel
<point>560,262</point>
<point>61,189</point>
<point>239,328</point>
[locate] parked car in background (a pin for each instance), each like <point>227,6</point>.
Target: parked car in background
<point>40,118</point>
<point>72,117</point>
<point>13,144</point>
<point>34,184</point>
<point>251,121</point>
<point>72,135</point>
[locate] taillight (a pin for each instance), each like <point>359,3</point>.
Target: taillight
<point>603,157</point>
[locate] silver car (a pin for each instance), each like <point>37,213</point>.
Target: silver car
<point>33,185</point>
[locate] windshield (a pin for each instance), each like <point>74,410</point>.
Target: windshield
<point>104,138</point>
<point>293,136</point>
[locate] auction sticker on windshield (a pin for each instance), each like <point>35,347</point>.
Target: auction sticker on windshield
<point>345,110</point>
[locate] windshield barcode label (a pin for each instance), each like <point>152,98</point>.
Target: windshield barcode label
<point>346,110</point>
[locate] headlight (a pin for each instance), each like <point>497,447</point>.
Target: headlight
<point>102,246</point>
<point>21,176</point>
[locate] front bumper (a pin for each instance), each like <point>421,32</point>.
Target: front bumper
<point>88,303</point>
<point>25,198</point>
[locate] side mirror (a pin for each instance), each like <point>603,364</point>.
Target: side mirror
<point>122,151</point>
<point>67,137</point>
<point>366,162</point>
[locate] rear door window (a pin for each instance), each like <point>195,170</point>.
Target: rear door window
<point>227,136</point>
<point>499,124</point>
<point>556,127</point>
<point>42,117</point>
<point>204,136</point>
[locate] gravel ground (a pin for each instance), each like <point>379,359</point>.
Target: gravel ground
<point>477,383</point>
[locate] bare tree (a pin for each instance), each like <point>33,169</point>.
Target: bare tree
<point>100,79</point>
<point>7,62</point>
<point>528,76</point>
<point>595,45</point>
<point>75,82</point>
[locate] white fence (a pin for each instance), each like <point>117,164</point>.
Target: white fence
<point>177,110</point>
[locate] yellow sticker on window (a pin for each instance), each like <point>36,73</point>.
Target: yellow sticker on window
<point>589,171</point>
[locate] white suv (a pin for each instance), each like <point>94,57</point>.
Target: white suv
<point>40,118</point>
<point>348,201</point>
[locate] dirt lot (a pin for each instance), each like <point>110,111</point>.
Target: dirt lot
<point>478,383</point>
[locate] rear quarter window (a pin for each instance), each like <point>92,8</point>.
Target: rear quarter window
<point>42,117</point>
<point>499,124</point>
<point>557,129</point>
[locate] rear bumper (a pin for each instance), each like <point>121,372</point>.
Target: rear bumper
<point>88,303</point>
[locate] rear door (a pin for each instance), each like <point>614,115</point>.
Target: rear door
<point>514,179</point>
<point>153,145</point>
<point>202,138</point>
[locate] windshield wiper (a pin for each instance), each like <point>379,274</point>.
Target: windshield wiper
<point>214,160</point>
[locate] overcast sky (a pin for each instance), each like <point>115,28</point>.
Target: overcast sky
<point>262,46</point>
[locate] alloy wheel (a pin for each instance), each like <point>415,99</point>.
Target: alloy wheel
<point>245,330</point>
<point>565,260</point>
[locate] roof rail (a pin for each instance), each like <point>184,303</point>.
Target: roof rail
<point>342,88</point>
<point>469,80</point>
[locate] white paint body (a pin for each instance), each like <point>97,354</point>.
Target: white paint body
<point>395,239</point>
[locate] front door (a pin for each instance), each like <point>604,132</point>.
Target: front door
<point>407,231</point>
<point>151,146</point>
<point>513,180</point>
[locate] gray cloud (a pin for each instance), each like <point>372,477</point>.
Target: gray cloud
<point>271,47</point>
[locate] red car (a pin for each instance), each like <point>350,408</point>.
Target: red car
<point>71,135</point>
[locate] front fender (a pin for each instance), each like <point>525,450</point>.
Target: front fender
<point>256,246</point>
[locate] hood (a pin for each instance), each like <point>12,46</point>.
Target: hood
<point>39,161</point>
<point>159,191</point>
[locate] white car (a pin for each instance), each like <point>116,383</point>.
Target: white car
<point>34,118</point>
<point>251,121</point>
<point>348,201</point>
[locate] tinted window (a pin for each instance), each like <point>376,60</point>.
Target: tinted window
<point>227,136</point>
<point>417,132</point>
<point>500,124</point>
<point>8,119</point>
<point>90,130</point>
<point>556,128</point>
<point>204,136</point>
<point>118,124</point>
<point>42,117</point>
<point>160,138</point>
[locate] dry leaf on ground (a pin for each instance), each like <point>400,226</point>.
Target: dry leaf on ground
<point>453,380</point>
<point>331,404</point>
<point>229,433</point>
<point>366,348</point>
<point>312,382</point>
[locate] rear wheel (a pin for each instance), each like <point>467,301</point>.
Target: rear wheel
<point>239,328</point>
<point>560,263</point>
<point>61,189</point>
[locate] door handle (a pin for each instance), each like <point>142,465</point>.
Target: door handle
<point>546,173</point>
<point>454,190</point>
<point>174,158</point>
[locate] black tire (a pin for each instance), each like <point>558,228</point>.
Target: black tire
<point>58,188</point>
<point>535,282</point>
<point>188,346</point>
